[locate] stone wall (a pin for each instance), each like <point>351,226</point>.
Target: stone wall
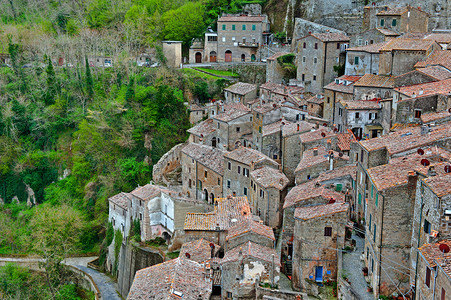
<point>303,27</point>
<point>345,291</point>
<point>168,163</point>
<point>264,293</point>
<point>254,73</point>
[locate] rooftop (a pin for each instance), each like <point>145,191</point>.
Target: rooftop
<point>331,37</point>
<point>345,171</point>
<point>174,279</point>
<point>265,107</point>
<point>397,11</point>
<point>408,45</point>
<point>360,104</point>
<point>310,190</point>
<point>441,183</point>
<point>274,127</point>
<point>241,88</point>
<point>316,100</point>
<point>319,134</point>
<point>292,128</point>
<point>198,250</point>
<point>249,225</point>
<point>433,255</point>
<point>318,211</point>
<point>309,159</point>
<point>122,199</point>
<point>253,250</point>
<point>277,55</point>
<point>426,89</point>
<point>371,48</point>
<point>441,38</point>
<point>203,129</point>
<point>270,178</point>
<point>344,140</point>
<point>210,157</point>
<point>227,212</point>
<point>345,84</point>
<point>231,112</point>
<point>437,72</point>
<point>437,57</point>
<point>435,116</point>
<point>248,156</point>
<point>372,80</point>
<point>387,32</point>
<point>281,89</point>
<point>242,18</point>
<point>408,138</point>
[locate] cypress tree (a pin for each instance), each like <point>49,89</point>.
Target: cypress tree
<point>51,84</point>
<point>89,81</point>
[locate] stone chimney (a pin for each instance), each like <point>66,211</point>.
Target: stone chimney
<point>331,159</point>
<point>412,178</point>
<point>315,151</point>
<point>431,171</point>
<point>329,145</point>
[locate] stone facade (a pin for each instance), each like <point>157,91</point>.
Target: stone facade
<point>173,52</point>
<point>363,118</point>
<point>240,92</point>
<point>402,19</point>
<point>340,89</point>
<point>362,60</point>
<point>274,71</point>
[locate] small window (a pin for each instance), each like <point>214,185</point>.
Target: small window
<point>245,191</point>
<point>253,27</point>
<point>316,45</point>
<point>369,225</point>
<point>327,231</point>
<point>428,277</point>
<point>361,155</point>
<point>223,39</point>
<point>260,129</point>
<point>303,59</point>
<point>375,231</point>
<point>206,174</point>
<point>309,177</point>
<point>356,60</point>
<point>219,125</point>
<point>244,27</point>
<point>382,22</point>
<point>427,226</point>
<point>360,42</point>
<point>357,115</point>
<point>314,77</point>
<point>393,22</point>
<point>229,166</point>
<point>229,294</point>
<point>340,111</point>
<point>377,199</point>
<point>417,113</point>
<point>338,45</point>
<point>328,100</point>
<point>219,181</point>
<point>238,129</point>
<point>233,27</point>
<point>304,45</point>
<point>239,169</point>
<point>140,216</point>
<point>303,77</point>
<point>228,184</point>
<point>315,60</point>
<point>223,27</point>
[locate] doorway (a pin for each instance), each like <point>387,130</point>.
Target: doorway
<point>228,56</point>
<point>213,56</point>
<point>198,57</point>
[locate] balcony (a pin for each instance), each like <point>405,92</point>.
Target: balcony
<point>248,45</point>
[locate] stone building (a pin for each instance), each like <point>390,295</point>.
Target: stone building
<point>241,36</point>
<point>319,233</point>
<point>203,133</point>
<point>177,278</point>
<point>233,125</point>
<point>196,113</point>
<point>240,92</point>
<point>250,231</point>
<point>389,215</point>
<point>202,172</point>
<point>402,19</point>
<point>372,36</point>
<point>268,189</point>
<point>320,137</point>
<point>206,50</point>
<point>342,88</point>
<point>317,54</point>
<point>269,139</point>
<point>315,105</point>
<point>213,225</point>
<point>434,265</point>
<point>316,161</point>
<point>238,164</point>
<point>422,75</point>
<point>436,58</point>
<point>173,52</point>
<point>274,70</point>
<point>361,117</point>
<point>279,93</point>
<point>243,265</point>
<point>363,60</point>
<point>371,86</point>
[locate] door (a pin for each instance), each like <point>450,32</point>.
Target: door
<point>319,274</point>
<point>198,58</point>
<point>228,56</point>
<point>243,57</point>
<point>253,57</point>
<point>213,56</point>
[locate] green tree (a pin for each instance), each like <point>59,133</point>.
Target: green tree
<point>89,80</point>
<point>51,84</point>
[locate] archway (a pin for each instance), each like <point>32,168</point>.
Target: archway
<point>253,57</point>
<point>228,56</point>
<point>243,57</point>
<point>198,57</point>
<point>205,195</point>
<point>213,56</point>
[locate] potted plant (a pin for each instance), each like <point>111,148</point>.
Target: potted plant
<point>365,271</point>
<point>370,289</point>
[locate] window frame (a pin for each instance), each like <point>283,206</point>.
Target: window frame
<point>327,231</point>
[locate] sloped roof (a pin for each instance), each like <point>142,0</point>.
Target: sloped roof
<point>231,112</point>
<point>434,256</point>
<point>360,104</point>
<point>426,89</point>
<point>387,32</point>
<point>253,250</point>
<point>437,72</point>
<point>210,157</point>
<point>316,135</point>
<point>318,211</point>
<point>198,250</point>
<point>309,159</point>
<point>270,178</point>
<point>248,156</point>
<point>344,140</point>
<point>407,45</point>
<point>435,116</point>
<point>437,57</point>
<point>242,19</point>
<point>203,129</point>
<point>331,37</point>
<point>371,80</point>
<point>241,88</point>
<point>310,190</point>
<point>249,225</point>
<point>122,199</point>
<point>274,127</point>
<point>371,48</point>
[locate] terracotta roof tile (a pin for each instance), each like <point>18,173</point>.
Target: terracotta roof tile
<point>311,190</point>
<point>122,199</point>
<point>318,211</point>
<point>372,80</point>
<point>253,250</point>
<point>226,210</point>
<point>241,88</point>
<point>345,84</point>
<point>242,19</point>
<point>315,100</point>
<point>198,250</point>
<point>331,37</point>
<point>437,72</point>
<point>274,127</point>
<point>344,140</point>
<point>265,107</point>
<point>202,129</point>
<point>392,11</point>
<point>248,156</point>
<point>437,57</point>
<point>150,191</point>
<point>319,134</point>
<point>292,128</point>
<point>309,159</point>
<point>387,32</point>
<point>281,89</point>
<point>426,89</point>
<point>440,184</point>
<point>337,173</point>
<point>270,178</point>
<point>170,280</point>
<point>371,48</point>
<point>433,255</point>
<point>232,112</point>
<point>250,226</point>
<point>435,116</point>
<point>210,157</point>
<point>408,45</point>
<point>360,104</point>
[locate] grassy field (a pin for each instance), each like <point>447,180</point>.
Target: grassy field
<point>219,72</point>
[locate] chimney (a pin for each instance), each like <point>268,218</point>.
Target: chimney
<point>212,246</point>
<point>424,129</point>
<point>411,182</point>
<point>315,151</point>
<point>331,159</point>
<point>329,145</point>
<point>420,92</point>
<point>234,194</point>
<point>431,171</point>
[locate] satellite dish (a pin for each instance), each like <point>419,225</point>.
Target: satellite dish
<point>325,124</point>
<point>425,162</point>
<point>340,154</point>
<point>323,134</point>
<point>335,129</point>
<point>448,169</point>
<point>187,255</point>
<point>444,248</point>
<point>212,245</point>
<point>420,151</point>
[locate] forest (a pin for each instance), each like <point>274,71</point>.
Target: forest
<point>73,134</point>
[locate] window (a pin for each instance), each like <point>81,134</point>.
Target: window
<point>228,184</point>
<point>233,38</point>
<point>274,156</point>
<point>239,169</point>
<point>262,193</point>
<point>223,27</point>
<point>382,22</point>
<point>315,60</point>
<point>360,42</point>
<point>443,294</point>
<point>314,77</point>
<point>219,125</point>
<point>223,39</point>
<point>303,77</point>
<point>245,191</point>
<point>213,38</point>
<point>238,129</point>
<point>417,113</point>
<point>229,295</point>
<point>205,173</point>
<point>427,226</point>
<point>260,129</point>
<point>374,236</point>
<point>304,45</point>
<point>233,27</point>
<point>356,60</point>
<point>393,22</point>
<point>428,277</point>
<point>140,216</point>
<point>369,225</point>
<point>316,45</point>
<point>372,190</point>
<point>253,27</point>
<point>327,231</point>
<point>244,27</point>
<point>361,155</point>
<point>360,198</point>
<point>219,181</point>
<point>308,177</point>
<point>229,166</point>
<point>338,45</point>
<point>303,59</point>
<point>377,199</point>
<point>340,111</point>
<point>357,115</point>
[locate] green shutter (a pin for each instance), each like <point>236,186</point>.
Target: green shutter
<point>260,129</point>
<point>356,60</point>
<point>369,226</point>
<point>253,27</point>
<point>377,198</point>
<point>223,27</point>
<point>244,26</point>
<point>382,22</point>
<point>338,187</point>
<point>360,198</point>
<point>372,189</point>
<point>393,22</point>
<point>233,27</point>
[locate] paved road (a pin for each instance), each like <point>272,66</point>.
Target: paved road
<point>352,265</point>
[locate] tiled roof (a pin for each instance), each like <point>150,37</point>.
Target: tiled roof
<point>274,127</point>
<point>202,129</point>
<point>198,250</point>
<point>170,280</point>
<point>331,37</point>
<point>341,172</point>
<point>318,211</point>
<point>341,87</point>
<point>433,255</point>
<point>266,107</point>
<point>277,55</point>
<point>376,81</point>
<point>315,100</point>
<point>371,48</point>
<point>441,38</point>
<point>360,104</point>
<point>387,32</point>
<point>122,199</point>
<point>227,212</point>
<point>437,57</point>
<point>392,11</point>
<point>281,89</point>
<point>441,183</point>
<point>150,191</point>
<point>407,45</point>
<point>292,128</point>
<point>316,135</point>
<point>210,157</point>
<point>242,19</point>
<point>270,178</point>
<point>232,112</point>
<point>310,190</point>
<point>396,171</point>
<point>195,107</point>
<point>253,250</point>
<point>409,138</point>
<point>344,140</point>
<point>426,89</point>
<point>248,156</point>
<point>241,88</point>
<point>308,159</point>
<point>437,72</point>
<point>435,116</point>
<point>250,226</point>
